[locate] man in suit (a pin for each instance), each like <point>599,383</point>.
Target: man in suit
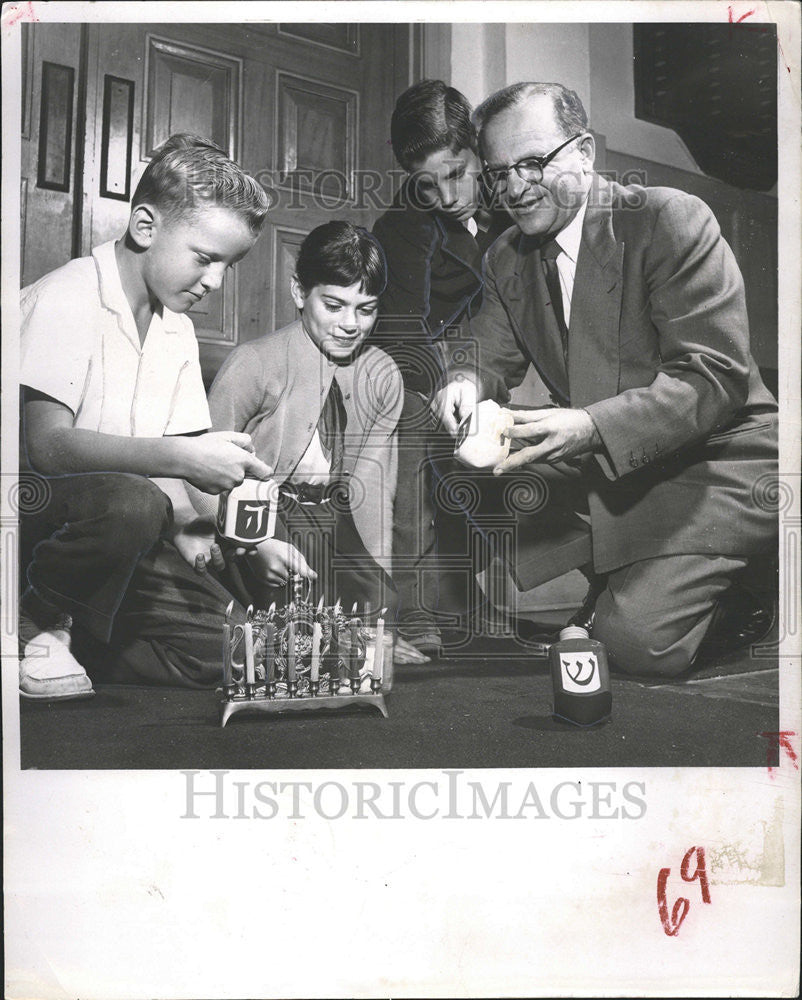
<point>631,306</point>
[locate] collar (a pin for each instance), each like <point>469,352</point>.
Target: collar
<point>568,239</point>
<point>112,295</point>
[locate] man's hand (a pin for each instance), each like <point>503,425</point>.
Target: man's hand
<point>549,435</point>
<point>455,401</point>
<point>220,460</point>
<point>274,561</point>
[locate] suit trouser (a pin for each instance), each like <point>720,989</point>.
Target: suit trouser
<point>652,614</point>
<point>414,540</point>
<point>449,521</point>
<point>98,551</point>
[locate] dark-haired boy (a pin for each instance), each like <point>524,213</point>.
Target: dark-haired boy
<point>113,415</point>
<point>433,237</point>
<point>322,406</point>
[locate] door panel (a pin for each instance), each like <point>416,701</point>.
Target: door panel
<point>48,146</point>
<point>304,108</point>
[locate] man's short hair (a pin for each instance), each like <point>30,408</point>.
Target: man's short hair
<point>187,172</point>
<point>428,117</point>
<point>569,111</point>
<point>340,253</point>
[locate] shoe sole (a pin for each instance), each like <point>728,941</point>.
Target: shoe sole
<point>75,696</point>
<point>434,650</point>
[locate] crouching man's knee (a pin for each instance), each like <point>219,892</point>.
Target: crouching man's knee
<point>632,649</point>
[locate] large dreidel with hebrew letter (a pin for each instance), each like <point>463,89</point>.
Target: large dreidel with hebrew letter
<point>580,678</point>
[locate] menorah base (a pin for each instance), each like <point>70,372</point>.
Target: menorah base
<point>305,703</point>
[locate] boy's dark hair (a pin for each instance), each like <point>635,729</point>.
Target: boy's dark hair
<point>568,108</point>
<point>339,253</point>
<point>188,171</point>
<point>428,117</point>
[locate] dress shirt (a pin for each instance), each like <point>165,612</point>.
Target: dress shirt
<point>568,241</point>
<point>80,345</point>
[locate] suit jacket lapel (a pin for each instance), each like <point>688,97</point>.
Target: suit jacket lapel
<point>593,346</point>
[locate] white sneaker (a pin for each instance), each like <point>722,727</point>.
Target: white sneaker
<point>48,671</point>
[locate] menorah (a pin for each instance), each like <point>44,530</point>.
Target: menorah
<point>302,658</point>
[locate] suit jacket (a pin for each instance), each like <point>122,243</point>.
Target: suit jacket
<point>658,355</point>
<point>434,283</point>
<point>274,388</point>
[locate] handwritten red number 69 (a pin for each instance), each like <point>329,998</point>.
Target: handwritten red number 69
<point>673,921</point>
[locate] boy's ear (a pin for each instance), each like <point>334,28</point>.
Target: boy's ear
<point>297,292</point>
<point>141,225</point>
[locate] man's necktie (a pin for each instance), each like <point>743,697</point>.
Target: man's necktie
<point>331,427</point>
<point>548,254</point>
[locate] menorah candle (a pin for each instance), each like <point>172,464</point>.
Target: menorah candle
<point>368,612</point>
<point>317,636</point>
<point>335,640</point>
<point>227,679</point>
<point>250,666</point>
<point>378,649</point>
<point>354,651</point>
<point>269,652</point>
<point>291,645</point>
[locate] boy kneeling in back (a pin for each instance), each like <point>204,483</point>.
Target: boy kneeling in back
<point>112,399</point>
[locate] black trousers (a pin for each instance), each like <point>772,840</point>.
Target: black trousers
<point>97,549</point>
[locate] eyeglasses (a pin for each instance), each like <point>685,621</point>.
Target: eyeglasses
<point>529,169</point>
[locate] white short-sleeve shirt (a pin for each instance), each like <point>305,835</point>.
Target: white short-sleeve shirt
<point>79,344</point>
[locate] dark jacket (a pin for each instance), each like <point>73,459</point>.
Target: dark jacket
<point>434,269</point>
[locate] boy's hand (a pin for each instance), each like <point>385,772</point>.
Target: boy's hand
<point>455,401</point>
<point>274,561</point>
<point>196,543</point>
<point>220,460</point>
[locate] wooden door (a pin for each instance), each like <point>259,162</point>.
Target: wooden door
<point>304,107</point>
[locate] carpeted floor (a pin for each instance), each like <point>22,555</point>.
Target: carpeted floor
<point>486,705</point>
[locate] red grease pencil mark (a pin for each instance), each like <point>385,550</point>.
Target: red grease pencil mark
<point>672,923</point>
<point>780,740</point>
<point>14,14</point>
<point>743,17</point>
<point>757,27</point>
<point>679,911</point>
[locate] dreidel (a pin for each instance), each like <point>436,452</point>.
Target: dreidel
<point>580,678</point>
<point>247,514</point>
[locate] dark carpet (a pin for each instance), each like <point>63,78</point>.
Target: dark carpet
<point>487,705</point>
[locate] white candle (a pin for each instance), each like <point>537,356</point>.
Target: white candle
<point>250,667</point>
<point>291,645</point>
<point>378,651</point>
<point>226,654</point>
<point>227,678</point>
<point>269,652</point>
<point>317,635</point>
<point>353,658</point>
